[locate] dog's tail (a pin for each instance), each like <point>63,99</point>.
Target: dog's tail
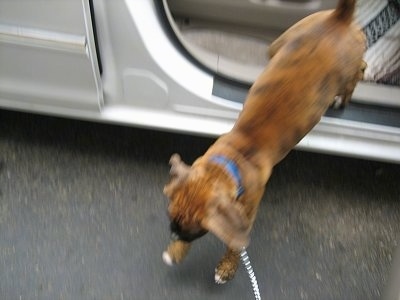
<point>344,10</point>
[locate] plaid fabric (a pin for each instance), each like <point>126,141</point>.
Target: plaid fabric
<point>381,23</point>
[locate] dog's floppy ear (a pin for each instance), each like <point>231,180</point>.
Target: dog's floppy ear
<point>178,172</point>
<point>228,221</point>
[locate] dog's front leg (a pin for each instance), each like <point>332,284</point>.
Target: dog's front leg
<point>176,252</point>
<point>227,267</point>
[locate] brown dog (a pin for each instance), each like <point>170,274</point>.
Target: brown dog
<point>314,61</point>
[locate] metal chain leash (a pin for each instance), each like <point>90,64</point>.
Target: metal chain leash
<point>244,257</point>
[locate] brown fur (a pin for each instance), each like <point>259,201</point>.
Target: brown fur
<point>178,250</point>
<point>314,61</point>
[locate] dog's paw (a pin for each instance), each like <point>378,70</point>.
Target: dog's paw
<point>176,252</point>
<point>218,278</point>
<point>167,259</point>
<point>224,275</point>
<point>338,102</point>
<point>226,269</point>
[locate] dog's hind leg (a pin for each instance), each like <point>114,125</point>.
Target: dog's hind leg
<point>349,87</point>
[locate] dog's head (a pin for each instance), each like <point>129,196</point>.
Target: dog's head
<point>203,198</point>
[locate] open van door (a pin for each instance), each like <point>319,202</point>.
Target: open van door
<point>229,38</point>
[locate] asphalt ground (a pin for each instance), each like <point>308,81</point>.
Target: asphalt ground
<point>82,216</point>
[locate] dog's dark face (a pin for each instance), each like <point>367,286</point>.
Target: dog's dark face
<point>202,199</point>
<point>187,194</point>
<point>185,235</point>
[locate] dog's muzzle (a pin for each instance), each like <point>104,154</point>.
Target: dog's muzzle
<point>177,234</point>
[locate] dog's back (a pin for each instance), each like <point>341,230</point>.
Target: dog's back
<point>314,61</point>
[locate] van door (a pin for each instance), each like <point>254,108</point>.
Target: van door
<point>48,56</point>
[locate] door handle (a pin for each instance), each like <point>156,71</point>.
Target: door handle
<point>299,5</point>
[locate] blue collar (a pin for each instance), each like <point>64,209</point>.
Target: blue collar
<point>232,169</point>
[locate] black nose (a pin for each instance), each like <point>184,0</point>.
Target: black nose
<point>178,234</point>
<point>174,227</point>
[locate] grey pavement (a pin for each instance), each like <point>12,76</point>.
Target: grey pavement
<point>82,216</point>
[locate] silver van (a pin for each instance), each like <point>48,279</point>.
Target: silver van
<point>186,65</point>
